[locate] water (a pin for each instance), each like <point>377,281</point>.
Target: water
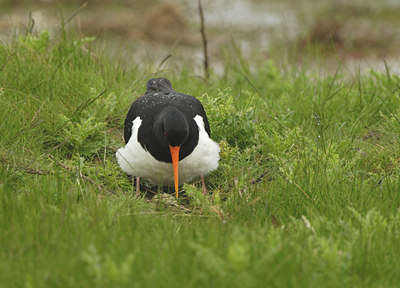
<point>254,26</point>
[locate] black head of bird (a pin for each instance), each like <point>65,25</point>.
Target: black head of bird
<point>171,127</point>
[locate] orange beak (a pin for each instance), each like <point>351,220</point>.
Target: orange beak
<point>175,166</point>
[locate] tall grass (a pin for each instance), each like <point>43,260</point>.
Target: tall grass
<point>306,194</point>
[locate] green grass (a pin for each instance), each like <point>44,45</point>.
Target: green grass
<point>306,195</point>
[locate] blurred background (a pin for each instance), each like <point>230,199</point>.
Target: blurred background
<point>354,35</point>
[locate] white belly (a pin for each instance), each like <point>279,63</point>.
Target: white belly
<point>136,161</point>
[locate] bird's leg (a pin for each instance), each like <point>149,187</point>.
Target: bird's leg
<point>204,185</point>
<point>137,187</point>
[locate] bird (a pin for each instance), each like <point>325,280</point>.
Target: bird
<point>167,138</point>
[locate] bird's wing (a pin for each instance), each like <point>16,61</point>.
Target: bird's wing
<point>195,108</point>
<point>133,113</point>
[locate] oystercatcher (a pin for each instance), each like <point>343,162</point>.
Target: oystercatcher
<point>166,132</point>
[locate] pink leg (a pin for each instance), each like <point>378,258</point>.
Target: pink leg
<point>137,187</point>
<point>204,185</point>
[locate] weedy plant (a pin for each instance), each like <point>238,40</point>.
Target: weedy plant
<point>306,194</point>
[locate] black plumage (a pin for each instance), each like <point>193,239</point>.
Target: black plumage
<point>165,114</point>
